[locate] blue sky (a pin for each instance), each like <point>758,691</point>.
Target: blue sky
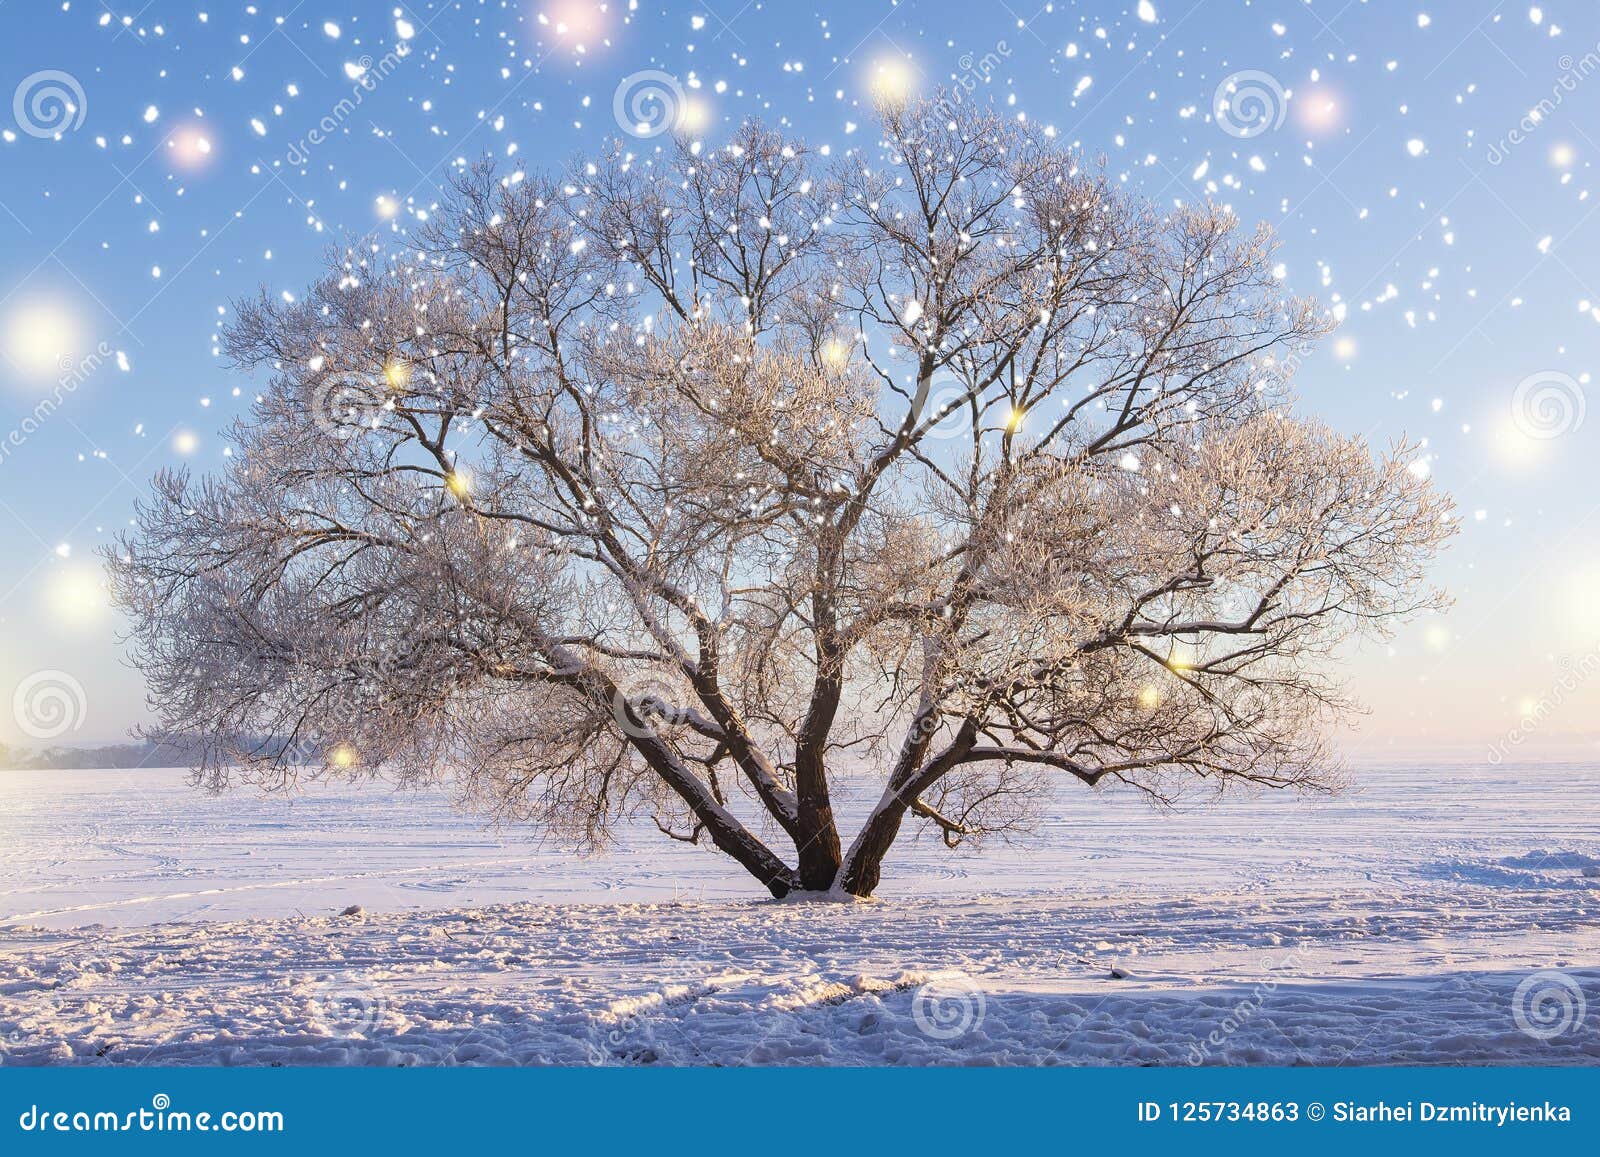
<point>159,161</point>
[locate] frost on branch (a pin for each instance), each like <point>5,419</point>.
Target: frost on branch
<point>684,484</point>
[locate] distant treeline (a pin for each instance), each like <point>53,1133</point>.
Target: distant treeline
<point>144,754</point>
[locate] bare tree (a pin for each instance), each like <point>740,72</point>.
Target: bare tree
<point>687,483</point>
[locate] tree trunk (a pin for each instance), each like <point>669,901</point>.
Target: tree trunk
<point>863,867</point>
<point>726,832</point>
<point>817,840</point>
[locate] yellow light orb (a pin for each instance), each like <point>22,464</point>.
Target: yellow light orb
<point>835,353</point>
<point>387,207</point>
<point>693,115</point>
<point>1514,447</point>
<point>893,80</point>
<point>185,442</point>
<point>460,485</point>
<point>74,596</point>
<point>1562,156</point>
<point>343,756</point>
<point>43,339</point>
<point>1149,696</point>
<point>1570,601</point>
<point>397,372</point>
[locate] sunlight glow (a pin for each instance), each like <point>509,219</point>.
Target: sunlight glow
<point>693,115</point>
<point>581,23</point>
<point>1572,599</point>
<point>191,147</point>
<point>74,596</point>
<point>1319,110</point>
<point>42,338</point>
<point>1514,448</point>
<point>397,372</point>
<point>893,80</point>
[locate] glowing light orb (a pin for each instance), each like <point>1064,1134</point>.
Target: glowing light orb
<point>1571,601</point>
<point>1562,156</point>
<point>693,115</point>
<point>397,372</point>
<point>1319,110</point>
<point>893,80</point>
<point>343,756</point>
<point>1149,696</point>
<point>42,340</point>
<point>191,147</point>
<point>1514,448</point>
<point>74,596</point>
<point>1183,657</point>
<point>185,442</point>
<point>460,485</point>
<point>387,207</point>
<point>581,23</point>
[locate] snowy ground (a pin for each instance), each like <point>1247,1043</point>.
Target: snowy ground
<point>1431,915</point>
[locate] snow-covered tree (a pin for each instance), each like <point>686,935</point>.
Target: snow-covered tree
<point>700,483</point>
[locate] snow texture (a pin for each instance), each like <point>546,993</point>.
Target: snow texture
<point>1430,916</point>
